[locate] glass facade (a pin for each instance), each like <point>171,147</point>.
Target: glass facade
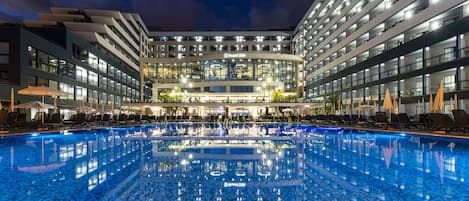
<point>353,53</point>
<point>225,70</point>
<point>92,77</point>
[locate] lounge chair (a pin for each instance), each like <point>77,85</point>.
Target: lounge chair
<point>347,119</point>
<point>442,122</point>
<point>3,118</point>
<point>90,119</point>
<point>122,119</point>
<point>461,119</point>
<point>404,121</point>
<point>381,120</point>
<point>11,119</point>
<point>106,119</point>
<point>54,121</point>
<point>21,120</point>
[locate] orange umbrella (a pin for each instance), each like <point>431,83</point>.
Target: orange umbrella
<point>439,98</point>
<point>387,105</point>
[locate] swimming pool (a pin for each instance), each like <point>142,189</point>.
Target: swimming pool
<point>242,162</point>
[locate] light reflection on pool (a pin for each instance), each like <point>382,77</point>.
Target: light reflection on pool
<point>243,162</point>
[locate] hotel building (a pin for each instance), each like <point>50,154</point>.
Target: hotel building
<point>356,49</point>
<point>223,66</point>
<point>91,56</point>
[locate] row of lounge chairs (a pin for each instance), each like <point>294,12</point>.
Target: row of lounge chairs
<point>429,121</point>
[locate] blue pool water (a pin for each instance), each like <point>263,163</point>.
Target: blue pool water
<point>243,162</point>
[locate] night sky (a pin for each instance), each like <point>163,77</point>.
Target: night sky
<point>179,14</point>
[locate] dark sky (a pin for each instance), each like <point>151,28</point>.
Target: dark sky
<point>179,14</point>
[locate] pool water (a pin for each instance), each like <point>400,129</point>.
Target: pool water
<point>242,162</point>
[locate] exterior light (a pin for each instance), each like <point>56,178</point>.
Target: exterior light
<point>408,14</point>
<point>435,25</point>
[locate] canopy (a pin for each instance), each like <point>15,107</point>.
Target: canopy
<point>34,104</point>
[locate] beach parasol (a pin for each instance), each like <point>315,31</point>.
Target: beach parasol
<point>439,103</point>
<point>387,105</point>
<point>34,104</point>
<point>40,91</point>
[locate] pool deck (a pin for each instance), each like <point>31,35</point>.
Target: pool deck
<point>411,132</point>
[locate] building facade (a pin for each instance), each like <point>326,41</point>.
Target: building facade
<point>59,59</point>
<point>120,35</point>
<point>226,66</point>
<point>358,49</point>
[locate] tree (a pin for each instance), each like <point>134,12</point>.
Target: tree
<point>277,96</point>
<point>332,101</point>
<point>173,96</point>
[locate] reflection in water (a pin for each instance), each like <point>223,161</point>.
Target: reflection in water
<point>243,162</point>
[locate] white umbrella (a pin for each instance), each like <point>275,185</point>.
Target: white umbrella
<point>83,109</point>
<point>34,104</point>
<point>388,105</point>
<point>40,91</point>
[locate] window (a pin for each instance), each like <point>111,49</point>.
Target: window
<point>93,78</point>
<point>68,91</point>
<point>62,67</point>
<point>102,82</point>
<point>103,98</point>
<point>53,64</point>
<point>450,53</point>
<point>450,82</point>
<point>70,70</point>
<point>81,74</point>
<point>111,71</point>
<point>111,85</point>
<point>4,77</point>
<point>43,60</point>
<point>53,84</point>
<point>93,61</point>
<point>4,52</point>
<point>67,69</point>
<point>81,93</point>
<point>102,66</point>
<point>32,57</point>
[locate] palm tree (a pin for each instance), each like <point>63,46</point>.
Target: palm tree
<point>331,101</point>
